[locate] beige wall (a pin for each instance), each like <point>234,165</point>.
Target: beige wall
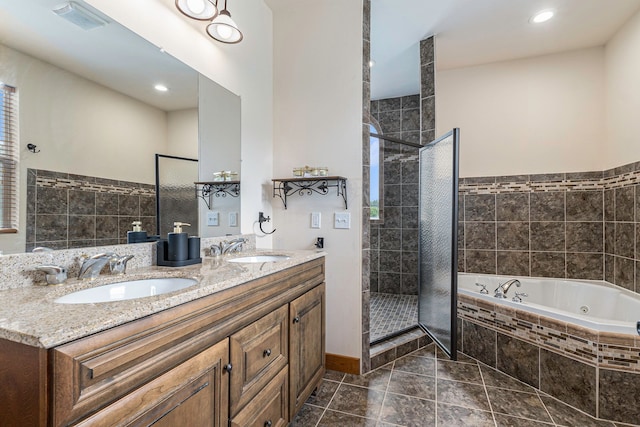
<point>79,127</point>
<point>622,60</point>
<point>537,115</point>
<point>82,127</point>
<point>318,116</point>
<point>182,133</point>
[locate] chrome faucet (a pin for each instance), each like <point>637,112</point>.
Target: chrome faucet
<point>92,266</point>
<point>54,274</point>
<point>501,291</point>
<point>227,246</point>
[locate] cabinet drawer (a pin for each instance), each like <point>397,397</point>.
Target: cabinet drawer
<point>269,407</point>
<point>192,394</point>
<point>258,353</point>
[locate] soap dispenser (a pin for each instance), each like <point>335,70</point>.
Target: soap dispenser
<point>136,235</point>
<point>178,243</point>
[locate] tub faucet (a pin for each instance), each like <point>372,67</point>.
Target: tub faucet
<point>501,291</point>
<point>92,266</point>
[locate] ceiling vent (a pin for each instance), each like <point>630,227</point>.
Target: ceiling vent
<point>80,15</point>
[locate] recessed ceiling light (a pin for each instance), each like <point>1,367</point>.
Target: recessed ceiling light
<point>372,63</point>
<point>541,17</point>
<point>161,88</point>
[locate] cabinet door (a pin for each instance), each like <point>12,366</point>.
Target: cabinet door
<point>194,393</point>
<point>258,352</point>
<point>306,346</point>
<point>269,408</point>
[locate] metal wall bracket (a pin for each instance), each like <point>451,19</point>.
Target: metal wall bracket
<point>205,190</point>
<point>284,187</point>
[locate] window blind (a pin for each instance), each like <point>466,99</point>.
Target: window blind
<point>8,159</point>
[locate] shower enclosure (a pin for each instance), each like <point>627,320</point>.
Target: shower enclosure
<point>414,227</point>
<point>438,247</point>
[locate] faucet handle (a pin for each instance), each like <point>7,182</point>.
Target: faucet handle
<point>54,274</point>
<point>118,264</point>
<point>216,249</point>
<point>518,296</point>
<point>483,289</point>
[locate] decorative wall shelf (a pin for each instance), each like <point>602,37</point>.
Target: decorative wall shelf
<point>284,187</point>
<point>205,190</point>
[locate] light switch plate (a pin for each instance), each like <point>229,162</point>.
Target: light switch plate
<point>342,220</point>
<point>233,219</point>
<point>213,218</point>
<point>315,219</point>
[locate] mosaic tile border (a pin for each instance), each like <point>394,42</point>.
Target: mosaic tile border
<point>96,186</point>
<point>623,176</point>
<point>605,350</point>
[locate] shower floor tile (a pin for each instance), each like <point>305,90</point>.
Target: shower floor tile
<point>391,313</point>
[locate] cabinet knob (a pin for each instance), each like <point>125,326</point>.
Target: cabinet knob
<point>296,319</point>
<point>268,423</point>
<point>228,367</point>
<point>266,353</point>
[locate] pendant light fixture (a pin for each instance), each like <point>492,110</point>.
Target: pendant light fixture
<point>202,10</point>
<point>223,28</point>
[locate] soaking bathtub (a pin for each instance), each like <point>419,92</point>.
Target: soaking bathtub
<point>596,305</point>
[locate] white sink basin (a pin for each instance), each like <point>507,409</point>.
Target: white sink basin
<point>259,258</point>
<point>127,290</point>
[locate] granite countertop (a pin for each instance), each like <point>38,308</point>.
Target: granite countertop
<point>30,316</point>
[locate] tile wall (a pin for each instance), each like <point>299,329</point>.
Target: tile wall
<point>71,211</point>
<point>565,225</point>
<point>596,372</point>
<point>394,244</point>
<point>366,202</point>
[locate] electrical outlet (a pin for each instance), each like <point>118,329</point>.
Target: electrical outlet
<point>341,220</point>
<point>213,218</point>
<point>233,219</point>
<point>315,219</point>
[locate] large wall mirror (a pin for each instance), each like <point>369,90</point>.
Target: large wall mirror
<point>89,101</point>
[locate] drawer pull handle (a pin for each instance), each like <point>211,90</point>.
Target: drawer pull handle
<point>266,353</point>
<point>268,423</point>
<point>228,367</point>
<point>296,319</point>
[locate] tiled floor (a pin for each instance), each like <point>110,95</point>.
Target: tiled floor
<point>423,390</point>
<point>391,313</point>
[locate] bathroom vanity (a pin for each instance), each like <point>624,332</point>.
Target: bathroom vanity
<point>243,352</point>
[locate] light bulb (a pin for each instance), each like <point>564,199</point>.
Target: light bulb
<point>196,6</point>
<point>224,31</point>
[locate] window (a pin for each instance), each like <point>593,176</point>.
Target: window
<point>8,160</point>
<point>375,175</point>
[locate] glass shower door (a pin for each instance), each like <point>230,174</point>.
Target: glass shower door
<point>438,245</point>
<point>175,193</point>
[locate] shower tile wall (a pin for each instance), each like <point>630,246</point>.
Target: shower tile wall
<point>565,225</point>
<point>366,202</point>
<point>71,211</point>
<point>394,243</point>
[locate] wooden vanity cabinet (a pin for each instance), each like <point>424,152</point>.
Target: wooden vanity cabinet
<point>307,360</point>
<point>246,356</point>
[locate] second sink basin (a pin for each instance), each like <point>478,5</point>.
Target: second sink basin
<point>259,258</point>
<point>131,289</point>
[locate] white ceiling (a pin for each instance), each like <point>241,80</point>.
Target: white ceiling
<point>111,55</point>
<point>472,32</point>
